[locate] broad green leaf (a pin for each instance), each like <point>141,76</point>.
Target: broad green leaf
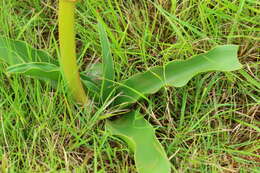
<point>15,52</point>
<point>24,59</point>
<point>37,69</point>
<point>51,72</point>
<point>107,61</point>
<point>178,73</point>
<point>149,154</point>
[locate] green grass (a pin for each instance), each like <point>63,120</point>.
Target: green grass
<point>211,125</point>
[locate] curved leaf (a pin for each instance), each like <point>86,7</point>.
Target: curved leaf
<point>26,60</point>
<point>178,73</point>
<point>107,61</point>
<point>150,156</point>
<point>17,52</point>
<point>51,72</point>
<point>37,69</point>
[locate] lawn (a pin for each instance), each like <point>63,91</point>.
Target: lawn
<point>210,125</point>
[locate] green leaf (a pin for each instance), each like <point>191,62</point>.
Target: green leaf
<point>178,73</point>
<point>51,72</point>
<point>37,69</point>
<point>17,52</point>
<point>150,156</point>
<point>90,85</point>
<point>108,72</point>
<point>24,59</point>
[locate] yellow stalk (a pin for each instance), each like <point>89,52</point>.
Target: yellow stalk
<point>68,50</point>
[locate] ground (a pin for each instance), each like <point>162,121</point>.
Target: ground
<point>210,125</point>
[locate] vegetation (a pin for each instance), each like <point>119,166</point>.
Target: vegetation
<point>208,117</point>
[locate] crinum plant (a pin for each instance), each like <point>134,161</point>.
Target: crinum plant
<point>130,126</point>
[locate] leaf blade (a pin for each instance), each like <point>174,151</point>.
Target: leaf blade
<point>177,73</point>
<point>107,61</point>
<point>150,156</point>
<point>36,69</point>
<point>15,52</point>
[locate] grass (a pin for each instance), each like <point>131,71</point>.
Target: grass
<point>211,125</point>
